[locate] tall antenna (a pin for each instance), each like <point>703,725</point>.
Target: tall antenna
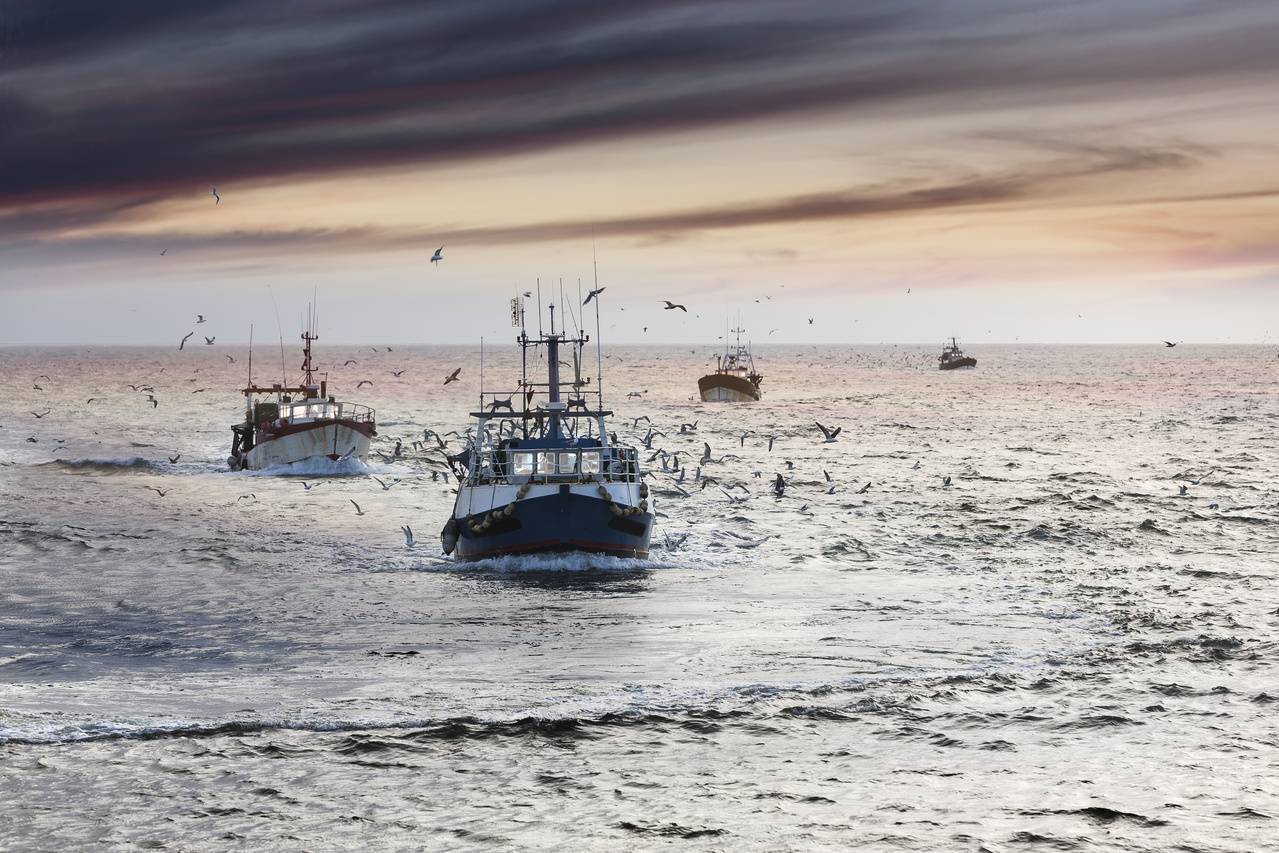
<point>482,373</point>
<point>250,385</point>
<point>599,353</point>
<point>539,307</point>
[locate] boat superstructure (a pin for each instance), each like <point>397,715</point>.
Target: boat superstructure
<point>543,473</point>
<point>952,357</point>
<point>735,379</point>
<point>286,424</point>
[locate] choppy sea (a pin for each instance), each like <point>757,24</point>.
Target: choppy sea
<point>1060,650</point>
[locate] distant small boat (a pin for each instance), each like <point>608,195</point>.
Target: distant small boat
<point>952,357</point>
<point>735,379</point>
<point>285,424</point>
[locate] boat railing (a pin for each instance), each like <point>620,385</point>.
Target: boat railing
<point>518,401</point>
<point>519,465</point>
<point>306,412</point>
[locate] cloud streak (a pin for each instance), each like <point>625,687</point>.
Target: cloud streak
<point>1043,182</point>
<point>180,95</point>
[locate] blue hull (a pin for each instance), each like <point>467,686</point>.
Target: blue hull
<point>555,523</point>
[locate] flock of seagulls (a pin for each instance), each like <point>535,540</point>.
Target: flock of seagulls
<point>669,461</point>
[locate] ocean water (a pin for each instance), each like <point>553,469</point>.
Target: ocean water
<point>1057,651</point>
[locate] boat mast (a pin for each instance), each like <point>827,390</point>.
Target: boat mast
<point>308,335</point>
<point>553,376</point>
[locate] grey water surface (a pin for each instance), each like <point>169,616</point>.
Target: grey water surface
<point>1057,651</point>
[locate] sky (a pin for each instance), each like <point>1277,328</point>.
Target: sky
<point>890,170</point>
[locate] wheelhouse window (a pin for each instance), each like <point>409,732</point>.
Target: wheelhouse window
<point>546,463</point>
<point>590,462</point>
<point>568,463</point>
<point>522,464</point>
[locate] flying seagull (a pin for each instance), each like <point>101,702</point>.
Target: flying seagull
<point>217,199</point>
<point>184,340</point>
<point>160,492</point>
<point>164,252</point>
<point>174,459</point>
<point>199,318</point>
<point>670,306</point>
<point>358,511</point>
<point>830,434</point>
<point>594,293</point>
<point>1169,344</point>
<point>452,377</point>
<point>208,341</point>
<point>408,536</point>
<point>438,256</point>
<point>363,382</point>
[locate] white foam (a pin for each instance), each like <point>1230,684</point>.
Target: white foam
<point>560,562</point>
<point>349,467</point>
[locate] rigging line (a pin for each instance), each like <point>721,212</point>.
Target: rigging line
<point>279,328</point>
<point>571,314</point>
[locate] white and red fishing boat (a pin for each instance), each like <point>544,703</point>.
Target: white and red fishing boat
<point>288,424</point>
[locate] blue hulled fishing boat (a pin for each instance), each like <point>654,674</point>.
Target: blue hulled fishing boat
<point>543,473</point>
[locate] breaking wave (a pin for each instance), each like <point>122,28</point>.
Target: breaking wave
<point>109,466</point>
